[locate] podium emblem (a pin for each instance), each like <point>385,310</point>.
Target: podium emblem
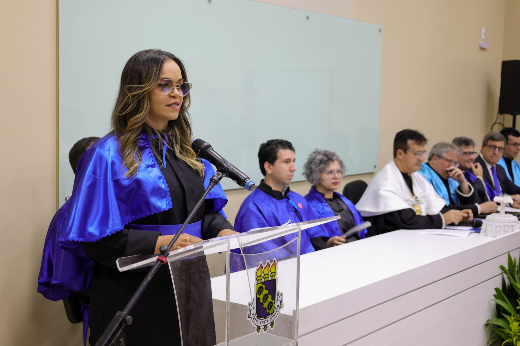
<point>265,307</point>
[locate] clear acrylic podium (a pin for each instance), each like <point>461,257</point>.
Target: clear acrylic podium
<point>237,290</point>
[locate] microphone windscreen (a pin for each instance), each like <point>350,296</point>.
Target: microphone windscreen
<point>198,145</point>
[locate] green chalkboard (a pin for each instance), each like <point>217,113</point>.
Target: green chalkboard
<point>259,72</point>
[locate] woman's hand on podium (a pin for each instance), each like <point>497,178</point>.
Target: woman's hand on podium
<point>183,241</point>
<point>225,232</point>
<point>336,240</point>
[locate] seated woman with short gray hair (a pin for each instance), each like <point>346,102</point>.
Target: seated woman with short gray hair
<point>324,170</point>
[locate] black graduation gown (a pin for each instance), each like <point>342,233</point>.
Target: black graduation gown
<point>339,208</point>
<point>155,320</point>
<point>402,219</point>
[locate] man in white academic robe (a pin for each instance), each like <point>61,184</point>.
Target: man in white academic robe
<point>400,198</point>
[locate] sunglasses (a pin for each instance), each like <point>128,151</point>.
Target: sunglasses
<point>167,86</point>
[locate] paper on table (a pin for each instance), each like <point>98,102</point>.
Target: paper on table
<point>453,233</point>
<point>512,210</point>
<point>459,228</point>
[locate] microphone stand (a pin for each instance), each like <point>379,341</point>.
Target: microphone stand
<point>113,334</point>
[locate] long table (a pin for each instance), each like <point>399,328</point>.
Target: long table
<point>402,288</point>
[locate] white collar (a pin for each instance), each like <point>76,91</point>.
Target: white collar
<point>388,192</point>
<point>487,163</point>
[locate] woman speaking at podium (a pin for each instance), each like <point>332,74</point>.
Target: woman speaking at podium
<point>133,189</point>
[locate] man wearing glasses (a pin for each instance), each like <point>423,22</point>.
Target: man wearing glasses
<point>473,172</point>
<point>507,161</point>
<point>400,198</point>
<point>449,181</point>
<point>495,176</point>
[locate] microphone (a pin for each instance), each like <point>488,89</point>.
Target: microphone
<point>354,230</point>
<point>205,150</point>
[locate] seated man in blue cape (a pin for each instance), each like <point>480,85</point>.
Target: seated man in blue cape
<point>449,182</point>
<point>274,204</point>
<point>512,168</point>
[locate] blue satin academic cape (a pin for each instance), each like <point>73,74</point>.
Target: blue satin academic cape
<point>55,281</point>
<point>261,210</point>
<point>429,174</point>
<point>103,202</point>
<point>515,167</point>
<point>322,210</point>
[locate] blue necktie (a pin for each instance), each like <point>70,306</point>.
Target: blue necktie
<point>495,180</point>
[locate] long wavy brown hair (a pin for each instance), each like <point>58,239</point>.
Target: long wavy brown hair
<point>140,75</point>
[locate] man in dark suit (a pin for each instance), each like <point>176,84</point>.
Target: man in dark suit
<point>473,172</point>
<point>495,177</point>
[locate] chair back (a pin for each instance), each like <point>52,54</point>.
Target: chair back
<point>354,190</point>
<point>73,306</point>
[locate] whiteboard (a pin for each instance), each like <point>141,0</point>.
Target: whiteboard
<point>259,72</point>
